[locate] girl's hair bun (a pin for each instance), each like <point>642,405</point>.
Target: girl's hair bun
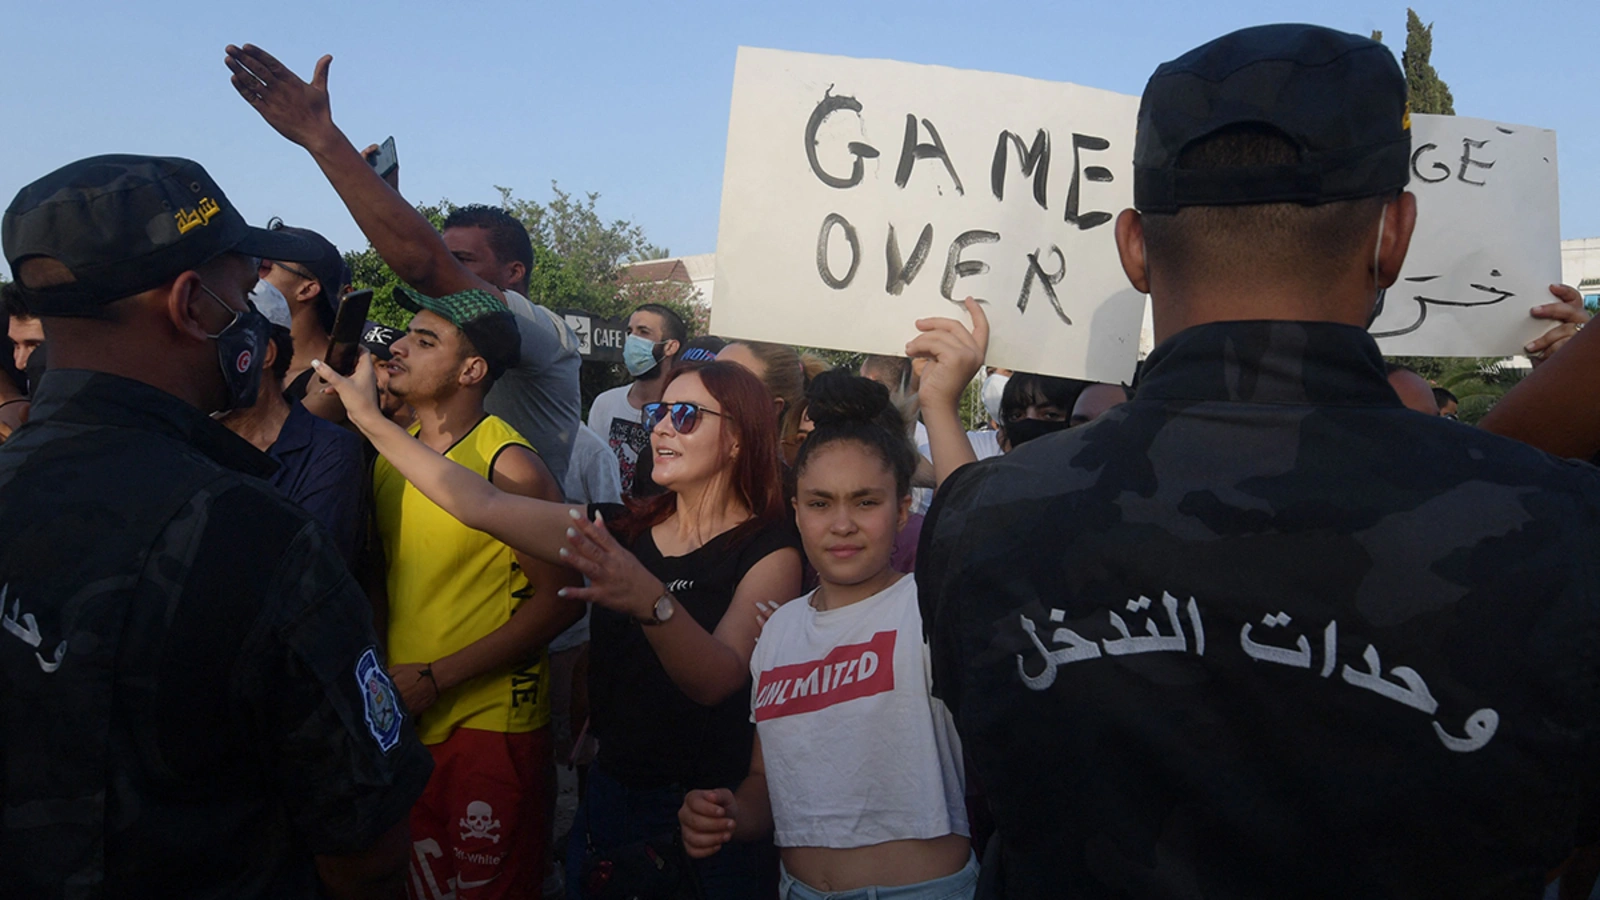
<point>840,397</point>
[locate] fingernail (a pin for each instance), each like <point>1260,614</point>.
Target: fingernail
<point>562,593</point>
<point>564,553</point>
<point>572,532</point>
<point>1527,348</point>
<point>575,514</point>
<point>316,363</point>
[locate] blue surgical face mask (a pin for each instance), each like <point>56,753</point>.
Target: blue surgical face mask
<point>639,355</point>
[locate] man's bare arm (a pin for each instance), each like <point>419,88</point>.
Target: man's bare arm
<point>301,113</point>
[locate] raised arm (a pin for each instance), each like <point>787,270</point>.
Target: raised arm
<point>1550,408</point>
<point>527,525</point>
<point>950,356</point>
<point>301,113</point>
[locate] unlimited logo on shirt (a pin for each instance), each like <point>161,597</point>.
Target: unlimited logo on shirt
<point>846,673</point>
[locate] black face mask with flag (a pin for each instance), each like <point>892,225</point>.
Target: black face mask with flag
<point>241,350</point>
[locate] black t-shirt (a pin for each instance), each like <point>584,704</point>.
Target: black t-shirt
<point>650,734</point>
<point>1264,632</point>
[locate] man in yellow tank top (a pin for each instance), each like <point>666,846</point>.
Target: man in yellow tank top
<point>468,617</point>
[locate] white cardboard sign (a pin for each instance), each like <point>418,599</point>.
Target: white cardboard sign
<point>1487,245</point>
<point>860,195</point>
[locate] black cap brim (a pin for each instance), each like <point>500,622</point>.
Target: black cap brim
<point>260,242</point>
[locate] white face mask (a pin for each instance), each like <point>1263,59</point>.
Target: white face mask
<point>994,387</point>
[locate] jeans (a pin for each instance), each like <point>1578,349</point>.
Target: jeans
<point>613,815</point>
<point>958,886</point>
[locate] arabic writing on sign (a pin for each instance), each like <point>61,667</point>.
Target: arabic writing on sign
<point>24,627</point>
<point>1410,690</point>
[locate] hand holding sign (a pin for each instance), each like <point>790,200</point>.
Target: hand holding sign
<point>1568,310</point>
<point>947,357</point>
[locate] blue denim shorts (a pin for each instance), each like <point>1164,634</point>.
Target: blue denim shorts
<point>961,885</point>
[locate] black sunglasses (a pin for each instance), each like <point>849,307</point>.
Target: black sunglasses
<point>293,271</point>
<point>685,416</point>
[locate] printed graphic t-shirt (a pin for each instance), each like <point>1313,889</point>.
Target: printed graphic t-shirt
<point>622,425</point>
<point>857,750</point>
<point>450,585</point>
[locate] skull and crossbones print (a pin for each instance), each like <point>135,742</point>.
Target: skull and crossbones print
<point>479,822</point>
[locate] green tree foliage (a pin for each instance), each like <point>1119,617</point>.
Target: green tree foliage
<point>1477,383</point>
<point>1427,91</point>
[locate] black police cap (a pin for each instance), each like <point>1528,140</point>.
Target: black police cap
<point>122,224</point>
<point>1339,98</point>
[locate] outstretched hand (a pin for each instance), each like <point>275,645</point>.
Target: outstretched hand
<point>358,392</point>
<point>948,355</point>
<point>617,580</point>
<point>1568,311</point>
<point>297,110</point>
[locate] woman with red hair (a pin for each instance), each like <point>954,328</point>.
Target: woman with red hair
<point>676,582</point>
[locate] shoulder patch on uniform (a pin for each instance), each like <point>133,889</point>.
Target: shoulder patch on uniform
<point>378,700</point>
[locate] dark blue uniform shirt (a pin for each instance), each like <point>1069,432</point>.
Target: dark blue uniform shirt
<point>320,469</point>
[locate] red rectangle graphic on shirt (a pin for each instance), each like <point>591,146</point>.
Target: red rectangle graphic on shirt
<point>846,673</point>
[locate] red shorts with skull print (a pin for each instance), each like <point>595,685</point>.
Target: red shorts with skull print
<point>479,831</point>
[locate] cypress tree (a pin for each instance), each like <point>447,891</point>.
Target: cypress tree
<point>1427,92</point>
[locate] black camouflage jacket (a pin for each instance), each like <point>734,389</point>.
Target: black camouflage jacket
<point>1263,632</point>
<point>191,701</point>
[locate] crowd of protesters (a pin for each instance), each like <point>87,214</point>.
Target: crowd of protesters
<point>277,630</point>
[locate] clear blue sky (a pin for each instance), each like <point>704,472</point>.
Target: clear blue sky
<point>631,99</point>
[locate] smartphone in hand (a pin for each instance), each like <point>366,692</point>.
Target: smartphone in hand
<point>386,160</point>
<point>345,350</point>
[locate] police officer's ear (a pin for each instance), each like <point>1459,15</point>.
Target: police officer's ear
<point>190,309</point>
<point>1399,221</point>
<point>1130,249</point>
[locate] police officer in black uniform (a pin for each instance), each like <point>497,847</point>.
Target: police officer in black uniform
<point>1262,631</point>
<point>192,702</point>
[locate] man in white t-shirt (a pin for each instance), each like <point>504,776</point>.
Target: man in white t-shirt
<point>655,336</point>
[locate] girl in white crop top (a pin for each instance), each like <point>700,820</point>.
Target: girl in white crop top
<point>856,770</point>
